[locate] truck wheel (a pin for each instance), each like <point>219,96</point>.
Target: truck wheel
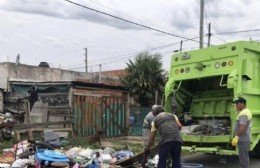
<point>257,150</point>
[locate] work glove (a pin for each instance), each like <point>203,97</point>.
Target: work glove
<point>234,141</point>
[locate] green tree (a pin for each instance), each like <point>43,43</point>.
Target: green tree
<point>144,76</point>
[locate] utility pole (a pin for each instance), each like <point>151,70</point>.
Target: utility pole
<point>209,34</point>
<point>86,59</point>
<point>181,47</point>
<point>201,22</point>
<point>92,75</point>
<point>99,80</point>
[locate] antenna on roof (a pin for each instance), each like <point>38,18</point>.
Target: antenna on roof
<point>17,61</point>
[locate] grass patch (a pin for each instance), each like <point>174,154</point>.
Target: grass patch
<point>80,142</point>
<point>134,147</point>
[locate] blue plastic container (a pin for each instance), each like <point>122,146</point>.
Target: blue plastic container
<point>191,165</point>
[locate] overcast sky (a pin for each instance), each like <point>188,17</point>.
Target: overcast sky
<point>56,31</point>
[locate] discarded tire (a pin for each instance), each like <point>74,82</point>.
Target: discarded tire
<point>191,165</point>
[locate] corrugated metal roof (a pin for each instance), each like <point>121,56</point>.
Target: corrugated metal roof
<point>75,84</point>
<point>98,85</point>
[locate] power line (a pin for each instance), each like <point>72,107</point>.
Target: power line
<point>114,10</point>
<point>129,55</point>
<point>241,31</point>
<point>219,38</point>
<point>213,20</point>
<point>205,16</point>
<point>211,14</point>
<point>242,27</point>
<point>198,3</point>
<point>120,58</point>
<point>132,53</point>
<point>108,7</point>
<point>124,13</point>
<point>128,21</point>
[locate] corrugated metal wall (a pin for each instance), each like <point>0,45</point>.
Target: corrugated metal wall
<point>94,112</point>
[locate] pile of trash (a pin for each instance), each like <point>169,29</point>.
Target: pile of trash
<point>6,126</point>
<point>37,154</point>
<point>210,127</point>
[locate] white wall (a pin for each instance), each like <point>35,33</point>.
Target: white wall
<point>21,72</point>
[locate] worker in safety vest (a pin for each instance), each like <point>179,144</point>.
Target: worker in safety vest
<point>242,131</point>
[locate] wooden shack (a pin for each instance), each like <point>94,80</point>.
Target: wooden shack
<point>82,107</point>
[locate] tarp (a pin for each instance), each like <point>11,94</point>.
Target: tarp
<point>50,155</point>
<point>23,89</point>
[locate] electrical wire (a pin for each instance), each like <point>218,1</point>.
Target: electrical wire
<point>120,58</point>
<point>205,16</point>
<point>131,22</point>
<point>116,17</point>
<point>241,31</point>
<point>132,53</point>
<point>120,12</point>
<point>219,38</point>
<point>213,20</point>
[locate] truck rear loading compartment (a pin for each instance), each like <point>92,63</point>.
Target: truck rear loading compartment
<point>203,97</point>
<point>204,108</point>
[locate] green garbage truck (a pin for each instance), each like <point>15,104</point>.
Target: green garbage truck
<point>201,88</point>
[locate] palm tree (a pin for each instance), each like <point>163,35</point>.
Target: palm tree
<point>144,76</point>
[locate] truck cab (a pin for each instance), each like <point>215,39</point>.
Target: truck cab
<point>200,91</point>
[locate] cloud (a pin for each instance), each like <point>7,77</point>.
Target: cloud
<point>52,40</point>
<point>46,8</point>
<point>182,17</point>
<point>2,40</point>
<point>23,36</point>
<point>82,14</point>
<point>65,10</point>
<point>219,9</point>
<point>182,23</point>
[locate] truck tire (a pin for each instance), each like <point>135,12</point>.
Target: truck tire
<point>257,150</point>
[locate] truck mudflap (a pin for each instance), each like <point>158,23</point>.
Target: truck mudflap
<point>214,150</point>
